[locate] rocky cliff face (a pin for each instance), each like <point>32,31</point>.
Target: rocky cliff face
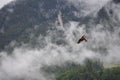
<point>18,19</point>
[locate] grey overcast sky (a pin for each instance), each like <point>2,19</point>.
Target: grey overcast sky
<point>4,2</point>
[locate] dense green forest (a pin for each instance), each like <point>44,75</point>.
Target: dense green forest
<point>90,70</point>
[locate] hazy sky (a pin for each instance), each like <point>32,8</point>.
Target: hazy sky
<point>4,2</point>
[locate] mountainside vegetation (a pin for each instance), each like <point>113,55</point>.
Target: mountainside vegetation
<point>90,70</point>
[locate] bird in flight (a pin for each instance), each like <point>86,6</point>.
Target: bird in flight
<point>83,38</point>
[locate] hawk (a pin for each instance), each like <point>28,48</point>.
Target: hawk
<point>83,38</point>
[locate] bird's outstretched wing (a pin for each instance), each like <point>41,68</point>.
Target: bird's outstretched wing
<point>79,41</point>
<point>82,39</point>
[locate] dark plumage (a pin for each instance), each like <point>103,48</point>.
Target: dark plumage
<point>83,38</point>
